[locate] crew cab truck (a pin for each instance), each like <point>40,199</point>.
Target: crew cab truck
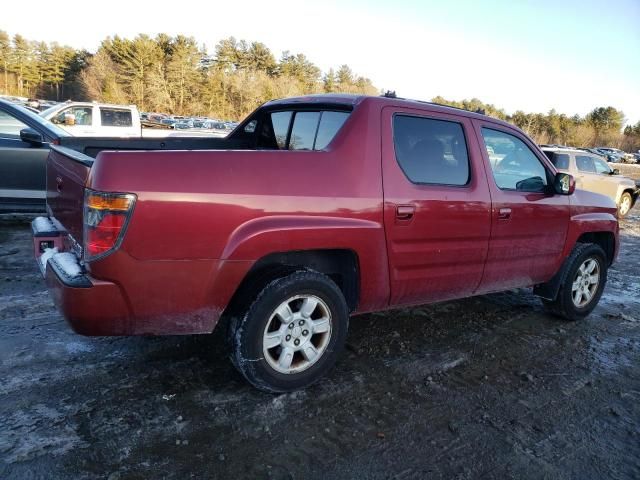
<point>92,119</point>
<point>330,206</point>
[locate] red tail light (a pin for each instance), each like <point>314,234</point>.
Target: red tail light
<point>105,220</point>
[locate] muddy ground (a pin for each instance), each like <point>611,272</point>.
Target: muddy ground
<point>488,387</point>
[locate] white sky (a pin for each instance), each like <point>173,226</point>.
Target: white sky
<point>514,58</point>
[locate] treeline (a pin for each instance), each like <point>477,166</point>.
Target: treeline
<point>600,127</point>
<point>40,69</point>
<point>176,75</point>
<point>168,74</point>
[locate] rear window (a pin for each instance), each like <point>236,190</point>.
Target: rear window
<point>280,121</point>
<point>300,130</point>
<point>112,117</point>
<point>303,132</point>
<point>559,160</point>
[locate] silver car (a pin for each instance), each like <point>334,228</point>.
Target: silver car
<point>592,173</point>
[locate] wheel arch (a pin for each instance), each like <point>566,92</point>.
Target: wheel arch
<point>605,239</point>
<point>340,264</point>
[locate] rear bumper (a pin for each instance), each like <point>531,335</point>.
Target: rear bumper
<point>92,307</point>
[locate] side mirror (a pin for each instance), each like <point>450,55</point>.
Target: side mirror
<point>29,135</point>
<point>564,184</point>
<point>69,119</point>
<point>615,171</point>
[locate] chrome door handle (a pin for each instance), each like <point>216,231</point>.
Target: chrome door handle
<point>405,212</point>
<point>504,214</point>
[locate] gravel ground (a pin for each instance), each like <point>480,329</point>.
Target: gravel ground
<point>487,387</point>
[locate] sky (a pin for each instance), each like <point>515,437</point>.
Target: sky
<point>519,55</point>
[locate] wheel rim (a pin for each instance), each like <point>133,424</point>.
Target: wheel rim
<point>585,283</point>
<point>625,205</point>
<point>297,334</point>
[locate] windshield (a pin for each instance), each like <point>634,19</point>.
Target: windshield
<point>36,118</point>
<point>48,111</point>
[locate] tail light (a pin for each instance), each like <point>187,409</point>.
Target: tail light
<point>106,216</point>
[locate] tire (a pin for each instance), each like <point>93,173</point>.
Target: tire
<point>582,257</point>
<point>625,204</point>
<point>272,345</point>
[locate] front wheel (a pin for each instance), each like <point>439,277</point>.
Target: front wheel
<point>583,283</point>
<point>625,204</point>
<point>292,334</point>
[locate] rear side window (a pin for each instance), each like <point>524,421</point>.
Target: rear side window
<point>431,151</point>
<point>559,160</point>
<point>330,123</point>
<point>112,117</point>
<point>585,164</point>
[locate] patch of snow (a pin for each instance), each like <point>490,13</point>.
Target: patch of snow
<point>43,224</point>
<point>68,263</point>
<point>46,255</point>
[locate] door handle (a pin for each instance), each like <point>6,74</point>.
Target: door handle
<point>405,212</point>
<point>504,214</point>
<point>59,183</point>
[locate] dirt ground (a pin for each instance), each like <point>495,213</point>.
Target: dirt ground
<point>487,387</point>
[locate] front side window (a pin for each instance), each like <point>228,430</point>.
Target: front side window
<point>585,164</point>
<point>10,126</point>
<point>431,151</point>
<point>513,163</point>
<point>112,117</point>
<point>601,166</point>
<point>74,116</point>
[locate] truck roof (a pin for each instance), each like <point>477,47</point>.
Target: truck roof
<point>356,99</point>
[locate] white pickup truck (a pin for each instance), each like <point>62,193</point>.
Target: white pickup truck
<point>91,119</point>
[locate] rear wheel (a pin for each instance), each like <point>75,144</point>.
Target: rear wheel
<point>583,283</point>
<point>625,204</point>
<point>291,334</point>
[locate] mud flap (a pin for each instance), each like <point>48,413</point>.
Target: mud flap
<point>549,290</point>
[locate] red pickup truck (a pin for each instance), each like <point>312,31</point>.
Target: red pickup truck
<point>316,208</point>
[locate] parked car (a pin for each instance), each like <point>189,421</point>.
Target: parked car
<point>90,119</point>
<point>328,206</point>
<point>25,139</point>
<point>170,122</point>
<point>612,154</point>
<point>594,174</point>
<point>24,146</point>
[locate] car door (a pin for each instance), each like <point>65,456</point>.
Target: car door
<point>22,167</point>
<point>603,182</point>
<point>436,205</point>
<point>586,176</point>
<point>116,122</point>
<point>78,120</point>
<point>528,222</point>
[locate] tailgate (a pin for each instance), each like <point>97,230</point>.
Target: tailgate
<point>67,173</point>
